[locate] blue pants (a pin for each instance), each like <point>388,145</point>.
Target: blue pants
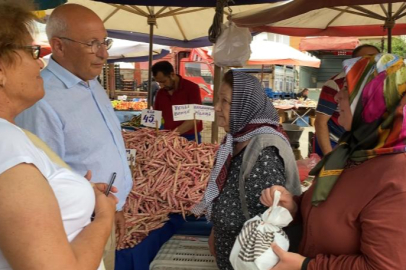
<point>317,148</point>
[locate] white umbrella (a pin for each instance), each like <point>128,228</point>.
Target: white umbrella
<point>329,18</point>
<point>171,22</point>
<point>274,53</point>
<point>131,49</point>
<point>121,49</point>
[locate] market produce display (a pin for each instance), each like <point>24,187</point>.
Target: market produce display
<point>170,176</point>
<point>294,103</point>
<point>120,105</point>
<point>135,122</point>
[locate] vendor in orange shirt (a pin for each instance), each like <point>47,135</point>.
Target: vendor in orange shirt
<point>175,90</point>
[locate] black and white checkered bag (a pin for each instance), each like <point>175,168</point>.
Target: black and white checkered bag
<point>252,248</point>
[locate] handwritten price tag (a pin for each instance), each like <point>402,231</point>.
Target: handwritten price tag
<point>182,112</point>
<point>150,117</point>
<point>187,112</point>
<point>205,113</point>
<point>131,153</point>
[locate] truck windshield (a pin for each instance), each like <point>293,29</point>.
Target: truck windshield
<point>199,70</point>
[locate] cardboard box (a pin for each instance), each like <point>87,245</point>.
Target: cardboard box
<point>282,116</point>
<point>298,154</point>
<point>312,120</point>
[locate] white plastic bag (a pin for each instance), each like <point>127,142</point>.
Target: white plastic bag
<point>232,47</point>
<point>252,248</point>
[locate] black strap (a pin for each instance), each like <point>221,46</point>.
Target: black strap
<point>305,263</point>
<point>241,185</point>
<point>243,199</point>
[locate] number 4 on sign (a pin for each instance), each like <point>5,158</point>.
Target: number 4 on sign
<point>150,118</point>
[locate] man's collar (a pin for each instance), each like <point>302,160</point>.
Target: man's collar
<point>68,78</point>
<point>180,82</point>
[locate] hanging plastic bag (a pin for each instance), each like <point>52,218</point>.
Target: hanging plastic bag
<point>252,248</point>
<point>232,47</point>
<point>306,165</point>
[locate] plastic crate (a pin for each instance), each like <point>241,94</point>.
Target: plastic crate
<point>303,122</point>
<point>184,252</point>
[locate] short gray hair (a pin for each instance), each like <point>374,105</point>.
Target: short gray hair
<point>56,26</point>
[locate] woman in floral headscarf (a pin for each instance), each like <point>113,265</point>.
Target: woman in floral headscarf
<point>254,155</point>
<point>354,215</point>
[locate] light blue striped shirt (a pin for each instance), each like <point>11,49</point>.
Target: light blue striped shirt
<point>77,121</point>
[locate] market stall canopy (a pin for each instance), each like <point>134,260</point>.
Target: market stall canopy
<point>194,43</point>
<point>325,18</point>
<point>328,43</point>
<point>329,18</point>
<point>121,51</point>
<point>181,24</point>
<point>183,3</point>
<point>274,53</point>
<point>130,51</point>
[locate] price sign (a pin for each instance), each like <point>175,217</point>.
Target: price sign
<point>187,112</point>
<point>131,153</point>
<point>150,117</point>
<point>122,97</point>
<point>205,113</point>
<point>182,112</point>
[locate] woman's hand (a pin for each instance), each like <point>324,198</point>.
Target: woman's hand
<point>105,205</point>
<point>287,260</point>
<point>286,200</point>
<point>211,243</point>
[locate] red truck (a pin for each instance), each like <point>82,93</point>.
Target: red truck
<point>195,65</point>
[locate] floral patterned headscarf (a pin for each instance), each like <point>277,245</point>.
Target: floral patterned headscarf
<point>376,87</point>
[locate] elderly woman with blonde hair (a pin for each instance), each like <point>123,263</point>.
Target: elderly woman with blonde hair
<point>45,209</point>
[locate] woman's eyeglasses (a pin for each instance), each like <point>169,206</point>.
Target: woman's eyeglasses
<point>95,45</point>
<point>35,50</point>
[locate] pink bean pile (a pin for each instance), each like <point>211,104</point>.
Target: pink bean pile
<point>170,176</point>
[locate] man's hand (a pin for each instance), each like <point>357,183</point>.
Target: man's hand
<point>120,225</point>
<point>185,126</point>
<point>287,260</point>
<point>88,175</point>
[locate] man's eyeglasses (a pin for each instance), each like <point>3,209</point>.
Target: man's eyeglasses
<point>95,44</point>
<point>35,50</point>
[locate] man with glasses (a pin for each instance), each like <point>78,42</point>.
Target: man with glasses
<point>75,118</point>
